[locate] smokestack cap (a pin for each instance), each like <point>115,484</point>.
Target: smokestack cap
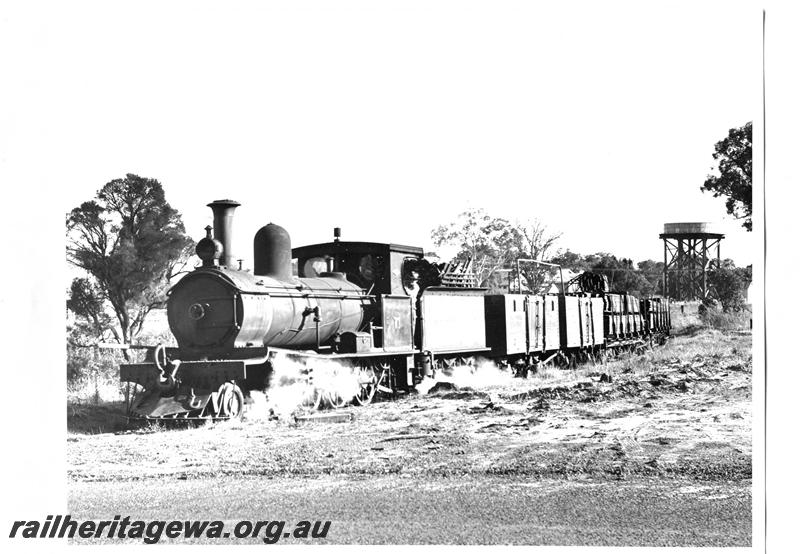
<point>224,202</point>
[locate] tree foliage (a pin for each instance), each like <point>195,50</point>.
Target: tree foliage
<point>643,280</point>
<point>87,301</point>
<point>729,284</point>
<point>570,260</point>
<point>130,242</point>
<point>734,156</point>
<point>531,240</point>
<point>623,277</point>
<point>479,238</point>
<point>494,243</point>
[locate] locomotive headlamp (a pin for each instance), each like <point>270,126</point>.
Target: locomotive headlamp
<point>197,311</point>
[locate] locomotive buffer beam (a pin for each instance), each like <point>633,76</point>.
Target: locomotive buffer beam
<point>205,375</point>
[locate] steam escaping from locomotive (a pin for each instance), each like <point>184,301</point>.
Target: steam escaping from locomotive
<point>289,388</point>
<point>484,374</point>
<point>476,373</point>
<point>295,384</point>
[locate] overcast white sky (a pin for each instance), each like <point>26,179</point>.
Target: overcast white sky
<point>389,119</point>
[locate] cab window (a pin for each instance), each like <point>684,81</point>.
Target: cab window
<point>316,265</point>
<point>364,269</point>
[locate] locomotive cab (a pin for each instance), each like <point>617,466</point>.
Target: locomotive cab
<point>378,268</point>
<point>386,272</point>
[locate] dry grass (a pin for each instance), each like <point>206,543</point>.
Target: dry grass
<point>95,389</point>
<point>93,373</point>
<point>691,320</point>
<point>96,418</point>
<point>729,321</point>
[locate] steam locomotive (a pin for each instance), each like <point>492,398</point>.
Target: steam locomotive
<point>379,311</point>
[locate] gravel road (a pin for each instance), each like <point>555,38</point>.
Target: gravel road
<point>494,510</point>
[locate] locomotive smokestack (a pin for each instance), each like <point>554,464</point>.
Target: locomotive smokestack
<point>223,227</point>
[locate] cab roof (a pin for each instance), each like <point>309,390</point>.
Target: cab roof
<point>349,247</point>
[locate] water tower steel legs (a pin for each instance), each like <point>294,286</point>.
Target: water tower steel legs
<point>687,260</point>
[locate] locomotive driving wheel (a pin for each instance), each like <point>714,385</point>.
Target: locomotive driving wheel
<point>368,384</point>
<point>230,401</point>
<point>312,395</point>
<point>312,398</point>
<point>383,378</point>
<point>335,397</point>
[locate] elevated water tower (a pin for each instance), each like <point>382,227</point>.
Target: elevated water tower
<point>690,251</point>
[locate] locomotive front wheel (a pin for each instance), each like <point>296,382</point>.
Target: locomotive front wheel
<point>231,401</point>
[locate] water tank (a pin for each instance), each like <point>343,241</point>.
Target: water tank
<point>697,228</point>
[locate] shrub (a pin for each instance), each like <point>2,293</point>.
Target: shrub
<point>730,320</point>
<point>730,285</point>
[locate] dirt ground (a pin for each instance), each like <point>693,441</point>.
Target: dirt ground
<point>680,412</point>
